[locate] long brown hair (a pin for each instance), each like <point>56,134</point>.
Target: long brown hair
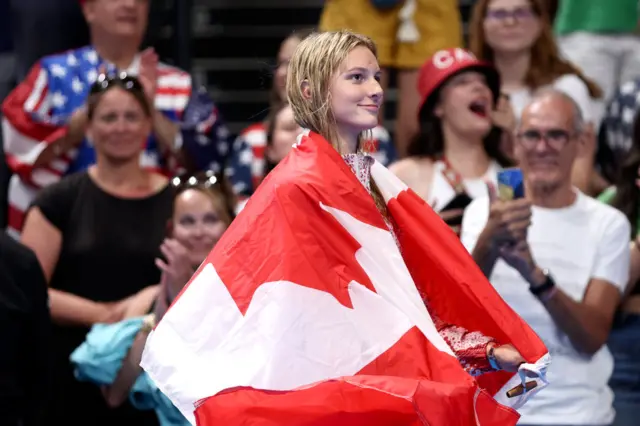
<point>546,63</point>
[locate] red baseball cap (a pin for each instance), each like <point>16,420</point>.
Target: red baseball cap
<point>443,65</point>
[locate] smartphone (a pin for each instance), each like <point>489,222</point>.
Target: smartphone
<point>460,202</point>
<point>510,184</point>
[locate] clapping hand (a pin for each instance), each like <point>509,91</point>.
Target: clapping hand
<point>148,75</point>
<point>177,268</point>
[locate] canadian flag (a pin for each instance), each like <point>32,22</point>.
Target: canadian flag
<point>308,312</point>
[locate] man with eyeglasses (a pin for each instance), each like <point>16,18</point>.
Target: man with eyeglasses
<point>44,117</point>
<point>560,259</point>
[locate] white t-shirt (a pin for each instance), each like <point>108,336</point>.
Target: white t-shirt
<point>572,85</point>
<point>585,240</point>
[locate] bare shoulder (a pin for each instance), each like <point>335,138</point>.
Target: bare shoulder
<point>158,182</point>
<point>412,169</point>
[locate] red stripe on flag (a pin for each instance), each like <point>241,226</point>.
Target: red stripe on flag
<point>15,218</point>
<point>172,91</point>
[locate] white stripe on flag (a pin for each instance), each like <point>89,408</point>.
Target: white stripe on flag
<point>171,102</point>
<point>390,185</point>
<point>24,148</point>
<point>175,81</point>
<point>203,345</point>
<point>20,195</point>
<point>36,93</point>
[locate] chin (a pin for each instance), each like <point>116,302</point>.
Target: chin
<point>543,180</point>
<point>126,31</point>
<point>367,124</point>
<point>122,157</point>
<point>478,130</point>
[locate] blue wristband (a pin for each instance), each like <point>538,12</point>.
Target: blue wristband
<point>492,359</point>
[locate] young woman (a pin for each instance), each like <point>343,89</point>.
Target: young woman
<point>97,235</point>
<point>110,356</point>
<point>318,221</point>
<point>517,37</point>
<point>458,150</point>
<point>625,196</point>
<point>248,160</point>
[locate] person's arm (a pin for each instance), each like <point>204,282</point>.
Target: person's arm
<point>587,322</point>
<point>31,139</point>
<point>118,392</point>
<point>634,267</point>
<point>471,348</point>
<point>485,254</point>
<point>46,241</point>
<point>166,132</point>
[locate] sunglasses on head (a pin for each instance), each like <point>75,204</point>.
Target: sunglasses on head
<point>204,179</point>
<point>127,82</point>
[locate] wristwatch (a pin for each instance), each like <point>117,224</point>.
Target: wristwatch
<point>541,289</point>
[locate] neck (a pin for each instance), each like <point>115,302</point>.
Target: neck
<point>118,52</point>
<point>551,197</point>
<point>119,175</point>
<point>513,68</point>
<point>467,156</point>
<point>347,142</point>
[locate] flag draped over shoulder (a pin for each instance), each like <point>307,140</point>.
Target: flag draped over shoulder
<point>308,313</point>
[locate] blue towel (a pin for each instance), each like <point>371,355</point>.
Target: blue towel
<point>100,357</point>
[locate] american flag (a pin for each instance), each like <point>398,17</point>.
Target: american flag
<point>37,111</point>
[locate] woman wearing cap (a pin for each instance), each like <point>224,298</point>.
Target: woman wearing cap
<point>458,150</point>
<point>516,36</point>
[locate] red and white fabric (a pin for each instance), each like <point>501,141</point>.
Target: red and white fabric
<point>307,312</point>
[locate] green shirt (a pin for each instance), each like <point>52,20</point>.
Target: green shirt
<point>597,16</point>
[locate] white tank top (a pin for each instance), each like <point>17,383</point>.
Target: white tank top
<point>442,192</point>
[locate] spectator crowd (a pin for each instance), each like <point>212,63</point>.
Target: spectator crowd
<point>119,175</point>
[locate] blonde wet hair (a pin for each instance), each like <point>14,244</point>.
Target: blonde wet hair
<point>315,61</point>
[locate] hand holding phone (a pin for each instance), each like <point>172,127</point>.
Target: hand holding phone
<point>510,184</point>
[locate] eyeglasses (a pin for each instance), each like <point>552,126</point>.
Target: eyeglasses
<point>206,179</point>
<point>518,14</point>
<point>555,138</point>
<point>127,82</point>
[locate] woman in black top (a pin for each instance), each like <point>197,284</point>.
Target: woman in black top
<point>96,235</point>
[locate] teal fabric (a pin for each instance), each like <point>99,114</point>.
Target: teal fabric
<point>100,357</point>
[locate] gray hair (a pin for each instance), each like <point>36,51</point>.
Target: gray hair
<point>550,92</point>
